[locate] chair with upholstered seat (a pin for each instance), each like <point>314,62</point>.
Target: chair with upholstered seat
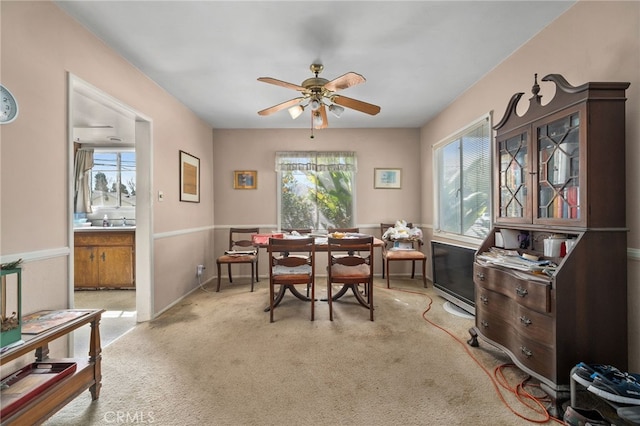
<point>291,263</point>
<point>299,231</point>
<point>241,251</point>
<point>350,263</point>
<point>355,230</point>
<point>410,253</point>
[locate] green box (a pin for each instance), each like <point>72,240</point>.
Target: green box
<point>14,299</point>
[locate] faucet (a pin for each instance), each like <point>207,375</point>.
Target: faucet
<point>124,221</point>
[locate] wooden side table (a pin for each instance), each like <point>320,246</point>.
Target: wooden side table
<point>88,373</point>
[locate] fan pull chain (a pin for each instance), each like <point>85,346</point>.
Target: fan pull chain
<point>311,137</point>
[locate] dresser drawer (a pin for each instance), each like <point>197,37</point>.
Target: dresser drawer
<point>494,315</point>
<point>498,304</point>
<point>489,278</point>
<point>531,353</point>
<point>535,355</point>
<point>534,325</point>
<point>533,294</point>
<point>493,326</point>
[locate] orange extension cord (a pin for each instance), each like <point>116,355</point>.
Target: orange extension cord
<point>497,378</point>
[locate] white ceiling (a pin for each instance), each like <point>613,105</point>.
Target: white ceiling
<point>417,56</point>
<point>98,119</point>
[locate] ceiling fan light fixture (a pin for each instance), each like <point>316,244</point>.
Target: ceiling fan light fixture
<point>317,119</point>
<point>319,94</point>
<point>336,110</point>
<point>296,111</point>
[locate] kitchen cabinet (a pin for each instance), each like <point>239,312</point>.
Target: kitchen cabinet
<point>104,259</point>
<point>559,169</point>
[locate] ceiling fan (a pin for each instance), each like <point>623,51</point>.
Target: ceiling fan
<point>319,94</point>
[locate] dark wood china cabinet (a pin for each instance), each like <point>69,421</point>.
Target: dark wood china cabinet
<point>559,171</point>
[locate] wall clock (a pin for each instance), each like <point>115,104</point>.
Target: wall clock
<point>8,106</point>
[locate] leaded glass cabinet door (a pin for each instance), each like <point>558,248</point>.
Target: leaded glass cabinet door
<point>513,179</point>
<point>558,158</point>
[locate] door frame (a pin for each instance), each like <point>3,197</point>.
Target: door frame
<point>144,203</point>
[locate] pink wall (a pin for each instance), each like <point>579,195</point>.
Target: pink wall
<point>40,46</point>
<point>592,41</point>
<point>375,148</point>
<point>387,148</point>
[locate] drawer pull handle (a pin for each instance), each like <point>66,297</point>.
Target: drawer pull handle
<point>484,300</point>
<point>104,257</point>
<point>484,324</point>
<point>522,292</point>
<point>480,276</point>
<point>526,321</point>
<point>526,352</point>
<point>91,257</point>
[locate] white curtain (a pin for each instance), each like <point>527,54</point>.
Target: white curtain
<point>316,160</point>
<point>82,192</point>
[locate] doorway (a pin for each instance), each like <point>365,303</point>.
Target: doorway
<point>101,123</point>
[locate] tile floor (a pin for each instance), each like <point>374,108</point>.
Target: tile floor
<point>119,318</point>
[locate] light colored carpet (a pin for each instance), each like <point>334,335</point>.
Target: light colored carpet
<point>214,359</point>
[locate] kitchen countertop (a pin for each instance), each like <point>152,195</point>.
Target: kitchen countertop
<point>130,228</point>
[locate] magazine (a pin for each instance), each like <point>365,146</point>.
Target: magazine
<point>41,321</point>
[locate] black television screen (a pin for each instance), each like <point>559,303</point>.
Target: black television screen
<point>453,273</point>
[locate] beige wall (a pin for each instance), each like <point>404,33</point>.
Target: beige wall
<point>255,150</point>
<point>40,46</point>
<point>592,41</point>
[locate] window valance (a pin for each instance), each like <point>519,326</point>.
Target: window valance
<point>316,161</point>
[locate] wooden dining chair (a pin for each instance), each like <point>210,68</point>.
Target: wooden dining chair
<point>356,230</point>
<point>350,263</point>
<point>412,254</point>
<point>241,251</point>
<point>291,263</point>
<point>302,232</point>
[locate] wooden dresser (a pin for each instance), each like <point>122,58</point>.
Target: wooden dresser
<point>559,169</point>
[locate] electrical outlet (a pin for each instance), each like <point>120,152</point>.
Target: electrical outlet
<point>199,270</point>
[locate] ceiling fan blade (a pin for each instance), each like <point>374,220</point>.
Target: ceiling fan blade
<point>281,83</point>
<point>355,104</point>
<point>344,81</point>
<point>325,120</point>
<point>281,106</point>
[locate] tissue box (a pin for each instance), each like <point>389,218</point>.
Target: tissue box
<point>402,245</point>
<point>263,239</point>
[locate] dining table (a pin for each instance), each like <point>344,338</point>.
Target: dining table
<point>321,244</point>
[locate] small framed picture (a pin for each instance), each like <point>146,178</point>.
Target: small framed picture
<point>245,179</point>
<point>387,178</point>
<point>189,178</point>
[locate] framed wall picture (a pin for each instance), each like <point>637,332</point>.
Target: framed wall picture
<point>387,178</point>
<point>189,178</point>
<point>245,179</point>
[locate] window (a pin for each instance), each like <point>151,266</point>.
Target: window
<point>462,166</point>
<point>316,189</point>
<point>113,179</point>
